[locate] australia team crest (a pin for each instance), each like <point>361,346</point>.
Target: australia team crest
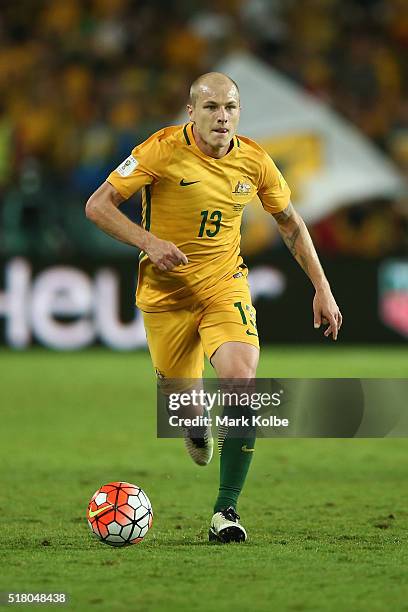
<point>242,193</point>
<point>242,188</point>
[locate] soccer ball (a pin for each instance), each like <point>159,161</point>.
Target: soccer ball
<point>119,514</point>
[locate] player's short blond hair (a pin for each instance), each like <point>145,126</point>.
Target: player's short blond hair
<point>195,85</point>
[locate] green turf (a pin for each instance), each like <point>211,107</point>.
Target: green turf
<point>327,519</point>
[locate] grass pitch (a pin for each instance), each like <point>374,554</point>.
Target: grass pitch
<point>327,519</point>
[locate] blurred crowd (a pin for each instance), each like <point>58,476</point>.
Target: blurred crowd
<point>82,81</point>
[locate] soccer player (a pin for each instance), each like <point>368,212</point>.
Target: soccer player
<point>192,287</point>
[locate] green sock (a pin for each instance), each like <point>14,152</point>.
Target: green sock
<point>236,455</point>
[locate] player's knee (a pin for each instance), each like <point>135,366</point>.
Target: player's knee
<point>236,360</point>
<point>238,369</point>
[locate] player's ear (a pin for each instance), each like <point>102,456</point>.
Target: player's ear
<point>190,110</point>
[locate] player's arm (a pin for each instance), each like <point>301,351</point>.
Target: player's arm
<point>102,209</point>
<point>297,238</point>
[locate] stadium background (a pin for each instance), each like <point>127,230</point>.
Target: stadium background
<point>82,81</point>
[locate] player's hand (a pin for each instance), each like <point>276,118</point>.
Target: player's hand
<point>165,255</point>
<point>326,312</point>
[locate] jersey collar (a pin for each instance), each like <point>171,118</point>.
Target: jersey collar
<point>190,141</point>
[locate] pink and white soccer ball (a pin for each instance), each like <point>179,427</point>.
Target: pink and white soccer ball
<point>119,514</point>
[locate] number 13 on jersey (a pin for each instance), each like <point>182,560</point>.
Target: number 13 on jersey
<point>213,222</point>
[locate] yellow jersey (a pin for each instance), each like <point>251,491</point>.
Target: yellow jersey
<point>196,202</point>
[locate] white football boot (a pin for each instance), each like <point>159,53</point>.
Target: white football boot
<point>199,448</point>
<point>225,527</point>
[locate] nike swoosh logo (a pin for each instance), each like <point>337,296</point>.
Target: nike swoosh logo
<point>184,183</point>
<point>245,449</point>
<point>93,513</point>
<point>250,333</point>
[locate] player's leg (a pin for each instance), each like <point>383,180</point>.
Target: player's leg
<point>229,335</point>
<point>178,359</point>
<point>233,360</point>
<point>236,360</point>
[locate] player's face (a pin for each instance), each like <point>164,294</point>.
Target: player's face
<point>216,116</point>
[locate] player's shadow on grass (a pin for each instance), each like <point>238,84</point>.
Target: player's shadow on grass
<point>204,543</point>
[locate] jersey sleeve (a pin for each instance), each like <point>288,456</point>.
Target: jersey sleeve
<point>144,165</point>
<point>273,191</point>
